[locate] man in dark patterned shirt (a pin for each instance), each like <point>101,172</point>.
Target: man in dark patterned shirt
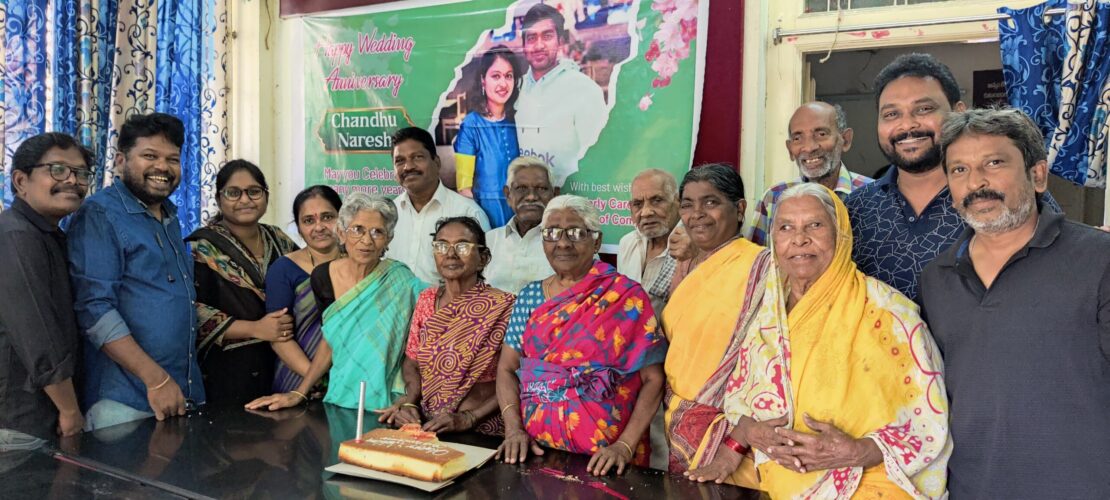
<point>905,218</point>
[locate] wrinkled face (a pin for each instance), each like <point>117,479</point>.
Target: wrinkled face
<point>316,224</point>
<point>991,188</point>
<point>565,256</point>
<point>653,212</point>
<point>417,171</point>
<point>366,238</point>
<point>541,45</point>
<point>48,196</point>
<point>453,265</point>
<point>151,170</point>
<point>528,194</point>
<point>710,218</point>
<point>911,110</point>
<point>815,143</point>
<point>499,81</point>
<point>804,238</point>
<point>243,211</point>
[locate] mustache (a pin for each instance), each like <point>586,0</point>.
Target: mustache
<point>64,188</point>
<point>912,134</point>
<point>535,205</point>
<point>983,194</point>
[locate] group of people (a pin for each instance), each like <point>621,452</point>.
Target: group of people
<point>940,330</point>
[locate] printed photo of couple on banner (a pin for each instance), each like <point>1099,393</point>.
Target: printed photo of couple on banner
<point>496,79</point>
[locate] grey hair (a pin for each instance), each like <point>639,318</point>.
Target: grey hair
<point>522,162</point>
<point>362,202</point>
<point>670,185</point>
<point>1011,123</point>
<point>581,206</point>
<point>810,189</point>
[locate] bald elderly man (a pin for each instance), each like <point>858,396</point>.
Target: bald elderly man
<point>819,137</point>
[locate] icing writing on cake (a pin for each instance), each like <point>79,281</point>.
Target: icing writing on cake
<point>388,442</point>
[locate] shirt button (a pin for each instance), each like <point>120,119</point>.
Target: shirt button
<point>913,219</point>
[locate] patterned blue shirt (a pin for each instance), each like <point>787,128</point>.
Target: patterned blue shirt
<point>530,298</point>
<point>892,243</point>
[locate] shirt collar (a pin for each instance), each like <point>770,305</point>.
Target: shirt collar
<point>1048,229</point>
<point>134,205</point>
<point>890,178</point>
<point>23,208</point>
<point>510,228</point>
<point>843,180</point>
<point>440,195</point>
<point>645,242</point>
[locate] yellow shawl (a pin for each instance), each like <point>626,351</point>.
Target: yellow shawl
<point>855,353</point>
<point>701,322</point>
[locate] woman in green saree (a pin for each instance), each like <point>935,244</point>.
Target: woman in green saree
<point>367,302</point>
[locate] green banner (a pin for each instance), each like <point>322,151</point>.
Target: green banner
<point>613,91</point>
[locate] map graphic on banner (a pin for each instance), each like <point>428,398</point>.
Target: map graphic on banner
<point>613,90</point>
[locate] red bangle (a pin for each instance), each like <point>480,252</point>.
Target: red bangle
<point>735,445</point>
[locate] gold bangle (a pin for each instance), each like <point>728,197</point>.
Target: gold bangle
<point>410,405</point>
<point>159,386</point>
<point>503,410</point>
<point>630,452</point>
<point>303,397</point>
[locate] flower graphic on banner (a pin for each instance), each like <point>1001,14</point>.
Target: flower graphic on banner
<point>678,26</point>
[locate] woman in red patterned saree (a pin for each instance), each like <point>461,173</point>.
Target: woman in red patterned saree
<point>581,370</point>
<point>454,339</point>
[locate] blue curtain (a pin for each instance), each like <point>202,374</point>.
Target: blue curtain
<point>24,76</point>
<point>83,66</point>
<point>1059,73</point>
<point>177,91</point>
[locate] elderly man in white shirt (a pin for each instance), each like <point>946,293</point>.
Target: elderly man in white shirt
<point>517,248</point>
<point>560,111</point>
<point>425,201</point>
<point>645,254</point>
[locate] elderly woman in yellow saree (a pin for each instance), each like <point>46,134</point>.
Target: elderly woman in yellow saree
<point>720,288</point>
<point>846,360</point>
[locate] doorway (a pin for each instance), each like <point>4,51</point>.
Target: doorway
<point>846,79</point>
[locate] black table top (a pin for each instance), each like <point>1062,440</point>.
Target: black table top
<point>233,453</point>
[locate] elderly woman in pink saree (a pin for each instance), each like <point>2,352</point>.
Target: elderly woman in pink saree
<point>581,369</point>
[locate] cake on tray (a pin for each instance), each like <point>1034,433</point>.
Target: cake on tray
<point>409,452</point>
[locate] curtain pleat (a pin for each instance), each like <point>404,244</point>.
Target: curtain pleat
<point>84,66</point>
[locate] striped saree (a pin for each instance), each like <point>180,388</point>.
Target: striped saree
<point>366,329</point>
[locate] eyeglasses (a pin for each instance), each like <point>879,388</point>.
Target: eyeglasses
<point>61,171</point>
<point>358,233</point>
<point>233,194</point>
<point>311,220</point>
<point>574,234</point>
<point>462,248</point>
<point>524,191</point>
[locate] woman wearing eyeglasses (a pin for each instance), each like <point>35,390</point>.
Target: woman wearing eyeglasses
<point>581,367</point>
<point>231,256</point>
<point>367,302</point>
<point>316,212</point>
<point>455,339</point>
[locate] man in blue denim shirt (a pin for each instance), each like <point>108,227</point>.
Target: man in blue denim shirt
<point>133,283</point>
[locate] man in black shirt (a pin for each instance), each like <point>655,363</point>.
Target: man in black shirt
<point>38,330</point>
<point>1019,306</point>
